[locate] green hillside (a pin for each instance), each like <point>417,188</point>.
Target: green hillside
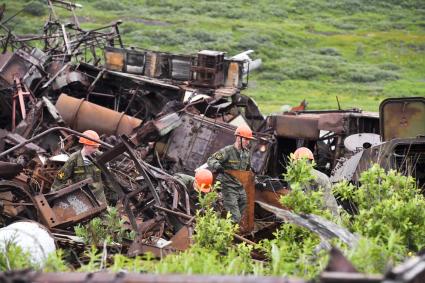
<point>359,50</point>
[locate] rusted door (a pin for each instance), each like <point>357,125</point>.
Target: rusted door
<point>247,180</point>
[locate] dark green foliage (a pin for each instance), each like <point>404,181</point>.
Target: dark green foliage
<point>36,8</point>
<point>109,5</point>
<point>367,75</point>
<point>329,51</point>
<point>109,228</point>
<point>305,72</point>
<point>253,41</point>
<point>387,203</point>
<point>389,67</point>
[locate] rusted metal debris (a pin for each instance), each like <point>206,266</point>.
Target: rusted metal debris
<point>159,114</point>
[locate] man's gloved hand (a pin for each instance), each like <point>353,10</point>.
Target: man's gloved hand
<point>219,170</point>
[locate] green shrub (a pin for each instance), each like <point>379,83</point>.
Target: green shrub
<point>166,37</point>
<point>12,257</point>
<point>292,253</point>
<point>306,72</point>
<point>273,76</point>
<point>109,5</point>
<point>329,51</point>
<point>55,262</point>
<point>346,26</point>
<point>213,232</point>
<point>360,77</point>
<point>383,75</point>
<point>368,74</point>
<point>253,41</point>
<point>35,8</point>
<point>109,228</point>
<point>387,202</point>
<point>389,67</point>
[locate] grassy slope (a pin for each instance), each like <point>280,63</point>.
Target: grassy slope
<point>359,50</point>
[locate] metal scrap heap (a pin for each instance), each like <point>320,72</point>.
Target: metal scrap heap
<point>159,114</point>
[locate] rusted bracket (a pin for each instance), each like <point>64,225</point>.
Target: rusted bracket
<point>68,189</point>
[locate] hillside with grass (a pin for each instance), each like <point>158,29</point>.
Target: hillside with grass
<point>360,51</point>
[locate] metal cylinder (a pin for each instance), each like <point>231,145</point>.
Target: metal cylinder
<point>82,115</point>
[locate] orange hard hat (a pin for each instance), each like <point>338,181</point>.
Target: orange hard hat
<point>92,134</point>
<point>244,131</point>
<point>203,180</point>
<point>303,152</point>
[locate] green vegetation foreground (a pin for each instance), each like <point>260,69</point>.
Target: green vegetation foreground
<point>390,212</point>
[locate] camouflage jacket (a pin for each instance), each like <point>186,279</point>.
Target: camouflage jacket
<point>321,181</point>
<point>74,171</point>
<point>230,158</point>
<point>186,180</point>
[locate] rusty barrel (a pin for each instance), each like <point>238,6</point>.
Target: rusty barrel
<point>82,115</point>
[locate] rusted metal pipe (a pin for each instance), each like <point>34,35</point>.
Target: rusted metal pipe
<point>103,277</point>
<point>82,115</point>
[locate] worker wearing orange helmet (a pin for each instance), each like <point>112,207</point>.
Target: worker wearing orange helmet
<point>79,167</point>
<point>320,180</point>
<point>233,157</point>
<point>202,182</point>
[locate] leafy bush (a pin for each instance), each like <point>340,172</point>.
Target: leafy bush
<point>389,67</point>
<point>299,171</point>
<point>109,229</point>
<point>360,77</point>
<point>329,51</point>
<point>35,8</point>
<point>56,263</point>
<point>109,5</point>
<point>293,252</point>
<point>273,76</point>
<point>13,257</point>
<point>253,41</point>
<point>303,72</point>
<point>368,74</point>
<point>199,260</point>
<point>383,75</point>
<point>387,202</point>
<point>346,26</point>
<point>389,213</point>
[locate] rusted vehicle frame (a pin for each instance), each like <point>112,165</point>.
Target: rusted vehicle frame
<point>405,155</point>
<point>307,128</point>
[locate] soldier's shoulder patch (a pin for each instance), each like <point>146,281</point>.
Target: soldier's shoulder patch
<point>218,155</point>
<point>60,175</point>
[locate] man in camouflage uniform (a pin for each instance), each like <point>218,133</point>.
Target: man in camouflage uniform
<point>202,181</point>
<point>233,157</point>
<point>78,167</point>
<point>321,181</point>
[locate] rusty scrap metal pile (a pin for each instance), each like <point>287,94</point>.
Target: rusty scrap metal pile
<point>160,114</point>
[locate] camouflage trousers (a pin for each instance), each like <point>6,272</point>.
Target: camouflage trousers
<point>234,201</point>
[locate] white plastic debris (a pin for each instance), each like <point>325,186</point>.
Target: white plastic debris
<point>31,237</point>
<point>60,157</point>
